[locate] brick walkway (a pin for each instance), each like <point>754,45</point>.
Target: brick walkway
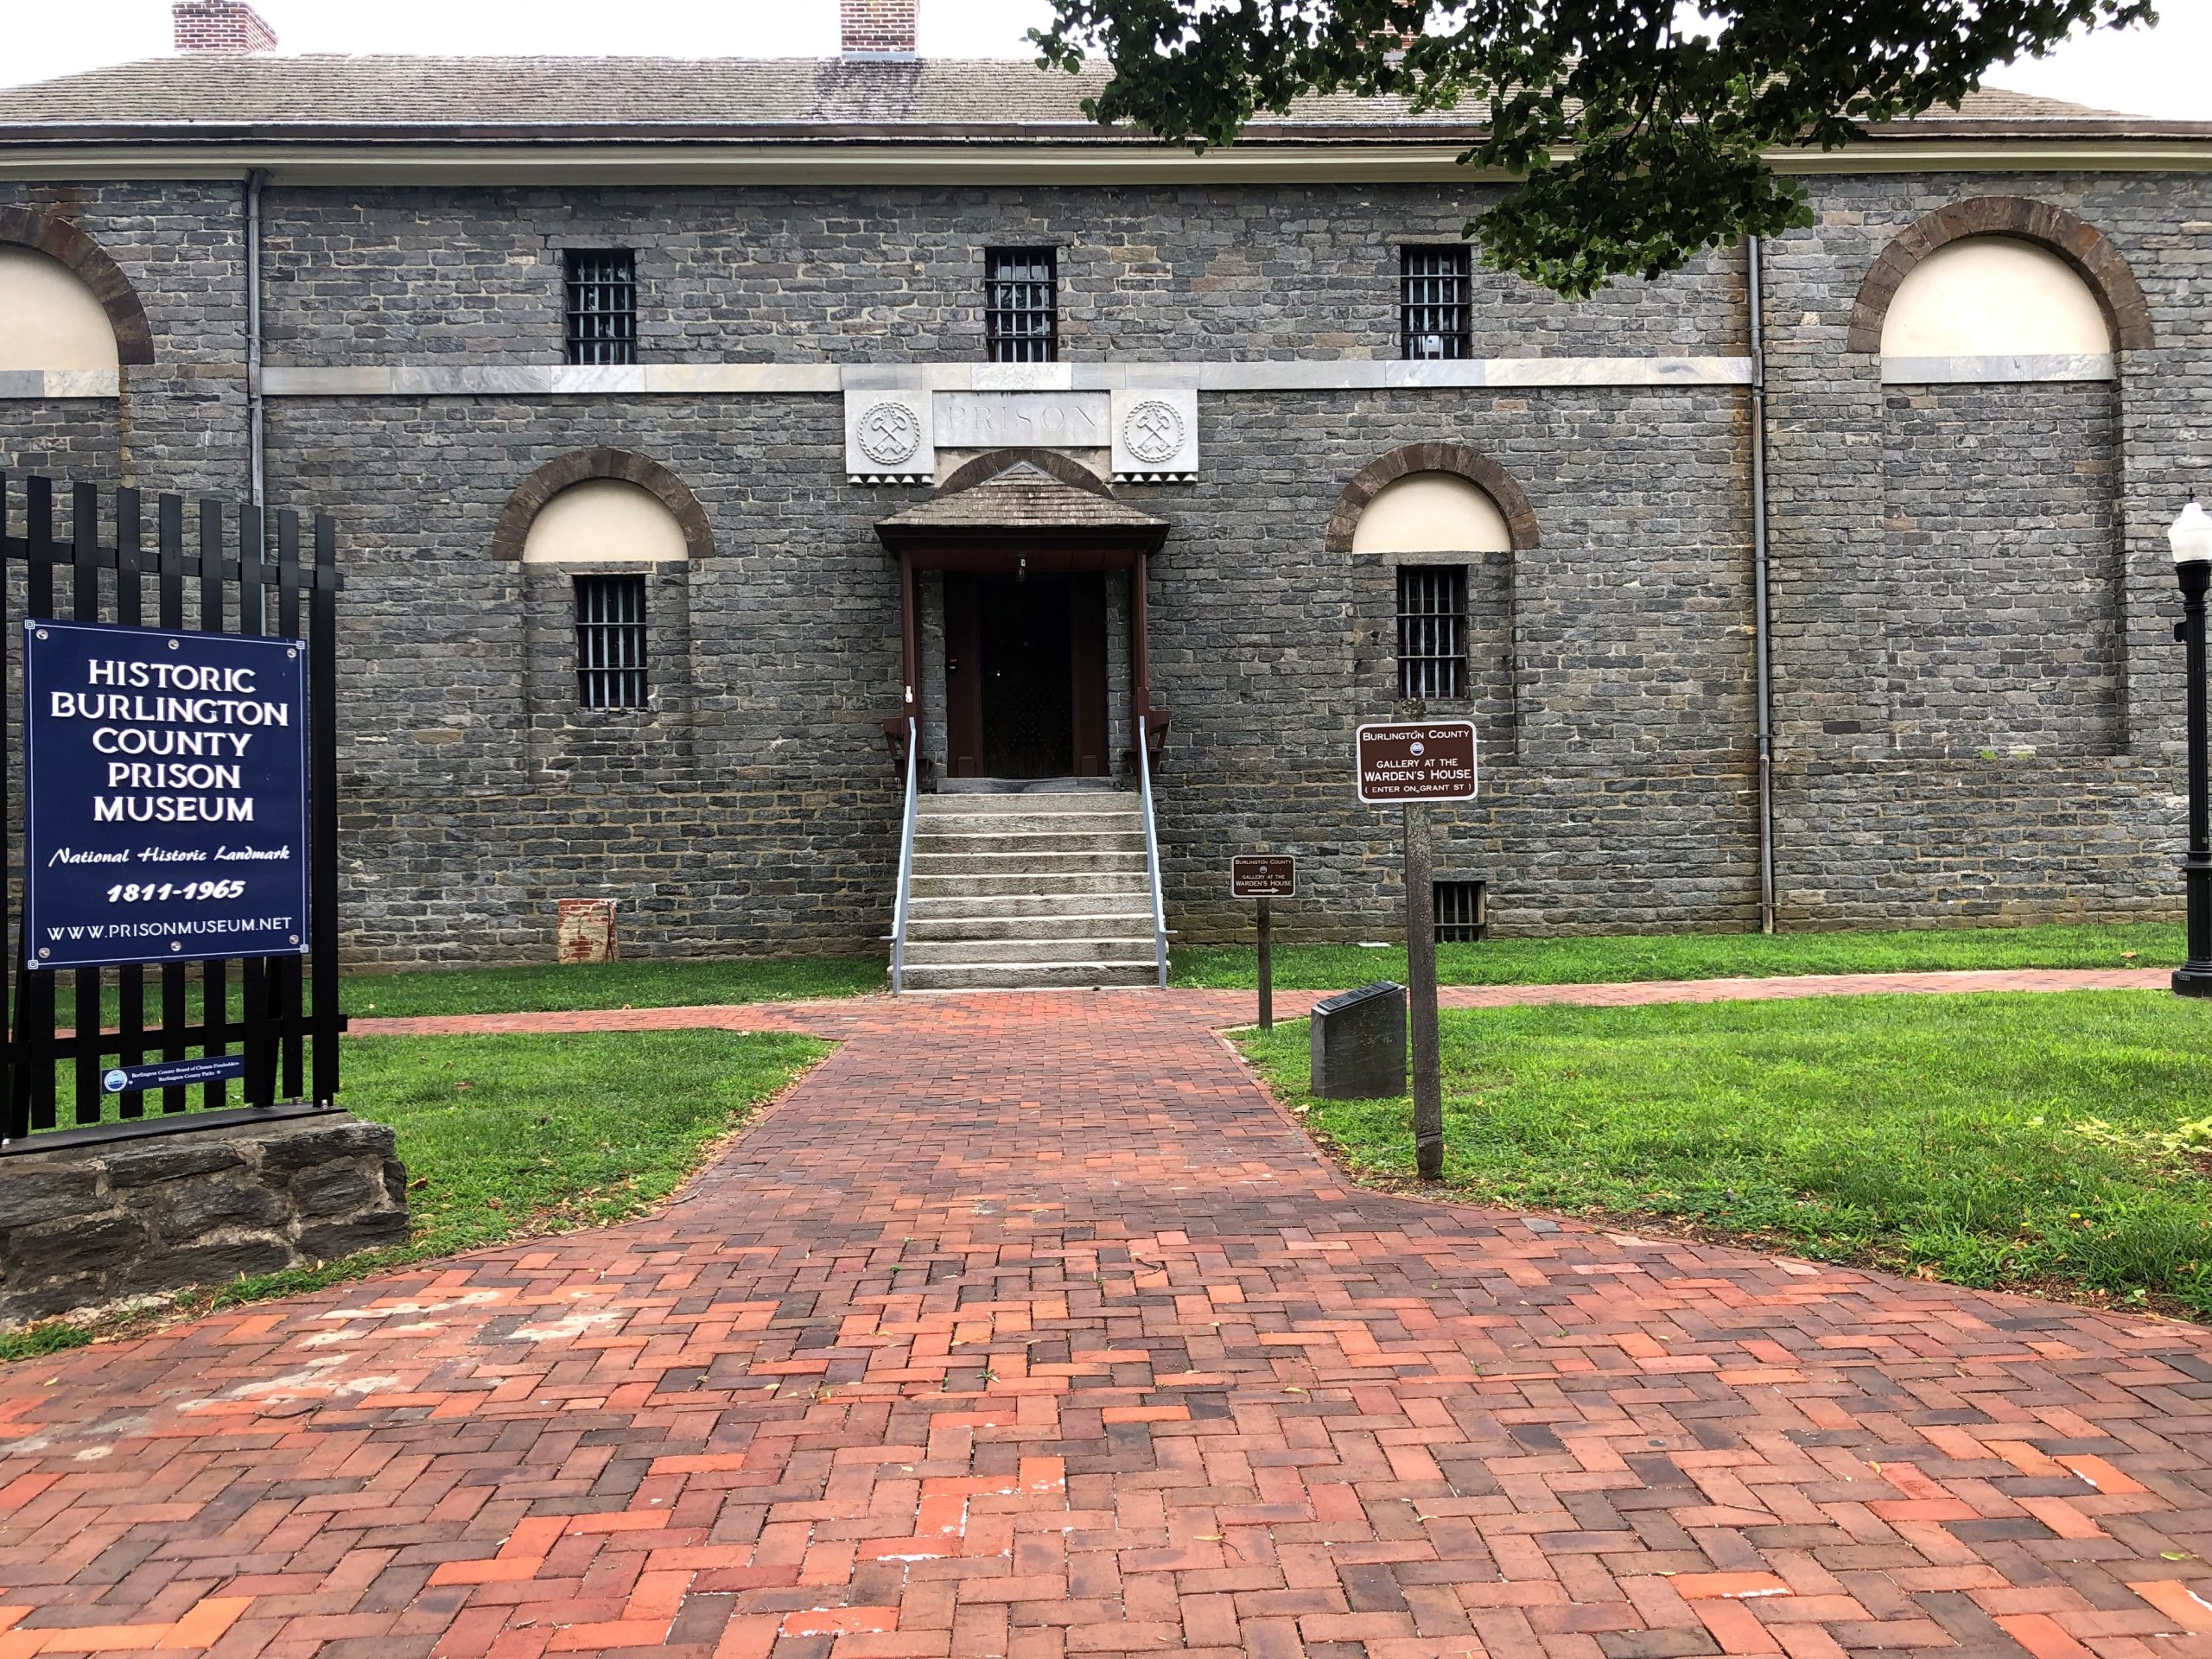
<point>1025,1326</point>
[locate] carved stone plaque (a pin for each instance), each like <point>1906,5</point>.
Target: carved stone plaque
<point>888,437</point>
<point>893,434</point>
<point>1155,435</point>
<point>1023,419</point>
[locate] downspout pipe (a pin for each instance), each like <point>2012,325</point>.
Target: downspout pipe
<point>256,466</point>
<point>1763,644</point>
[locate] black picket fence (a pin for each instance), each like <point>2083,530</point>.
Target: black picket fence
<point>285,1023</point>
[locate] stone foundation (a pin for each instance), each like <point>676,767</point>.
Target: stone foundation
<point>82,1226</point>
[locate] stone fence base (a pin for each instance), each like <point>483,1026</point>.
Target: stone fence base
<point>82,1226</point>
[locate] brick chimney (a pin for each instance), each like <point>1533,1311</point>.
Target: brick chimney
<point>220,26</point>
<point>876,28</point>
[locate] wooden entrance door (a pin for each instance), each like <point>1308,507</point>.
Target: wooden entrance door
<point>1026,676</point>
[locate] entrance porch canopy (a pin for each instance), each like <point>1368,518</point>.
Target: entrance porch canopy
<point>1015,511</point>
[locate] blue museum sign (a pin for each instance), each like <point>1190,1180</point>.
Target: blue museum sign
<point>165,789</point>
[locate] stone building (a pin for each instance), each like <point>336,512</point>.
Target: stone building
<point>693,425</point>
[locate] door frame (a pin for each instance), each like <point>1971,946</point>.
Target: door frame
<point>1087,530</point>
<point>1089,744</point>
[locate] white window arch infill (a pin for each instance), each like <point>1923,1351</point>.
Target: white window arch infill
<point>70,322</point>
<point>1994,309</point>
<point>56,339</point>
<point>604,519</point>
<point>2019,318</point>
<point>1432,512</point>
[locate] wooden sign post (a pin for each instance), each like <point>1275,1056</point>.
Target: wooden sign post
<point>1409,764</point>
<point>1264,879</point>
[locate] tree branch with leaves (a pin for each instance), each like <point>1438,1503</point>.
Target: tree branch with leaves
<point>1639,132</point>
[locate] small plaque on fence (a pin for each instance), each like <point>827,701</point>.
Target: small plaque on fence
<point>172,1074</point>
<point>165,789</point>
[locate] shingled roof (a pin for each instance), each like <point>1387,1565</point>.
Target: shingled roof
<point>1022,500</point>
<point>322,95</point>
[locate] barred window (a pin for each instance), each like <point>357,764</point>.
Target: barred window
<point>1021,305</point>
<point>602,305</point>
<point>1435,294</point>
<point>611,642</point>
<point>1462,912</point>
<point>1431,631</point>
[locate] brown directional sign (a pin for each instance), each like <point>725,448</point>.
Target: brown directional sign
<point>1416,760</point>
<point>1263,878</point>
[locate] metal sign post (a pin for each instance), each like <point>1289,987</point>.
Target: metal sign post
<point>1409,764</point>
<point>1266,968</point>
<point>1420,994</point>
<point>1264,879</point>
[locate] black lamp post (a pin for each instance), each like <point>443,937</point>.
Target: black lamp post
<point>2192,540</point>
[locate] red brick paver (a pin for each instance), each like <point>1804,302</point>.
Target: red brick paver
<point>1027,1327</point>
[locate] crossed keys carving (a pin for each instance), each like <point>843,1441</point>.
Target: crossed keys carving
<point>1154,432</point>
<point>888,433</point>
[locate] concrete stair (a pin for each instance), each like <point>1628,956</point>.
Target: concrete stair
<point>1034,888</point>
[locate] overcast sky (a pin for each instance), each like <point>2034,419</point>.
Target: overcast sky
<point>2166,71</point>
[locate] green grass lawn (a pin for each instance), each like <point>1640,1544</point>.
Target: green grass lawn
<point>1325,967</point>
<point>2057,1141</point>
<point>509,1136</point>
<point>612,985</point>
<point>1601,959</point>
<point>551,985</point>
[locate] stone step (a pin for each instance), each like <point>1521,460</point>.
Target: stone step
<point>1029,889</point>
<point>1087,800</point>
<point>1070,904</point>
<point>963,883</point>
<point>1066,947</point>
<point>981,864</point>
<point>1062,919</point>
<point>1025,786</point>
<point>1029,976</point>
<point>1072,840</point>
<point>1029,823</point>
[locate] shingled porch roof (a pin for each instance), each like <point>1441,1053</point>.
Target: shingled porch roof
<point>1030,503</point>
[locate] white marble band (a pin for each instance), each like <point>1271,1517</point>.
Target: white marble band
<point>50,383</point>
<point>1994,371</point>
<point>422,380</point>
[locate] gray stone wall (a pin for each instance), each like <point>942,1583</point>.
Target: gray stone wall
<point>181,423</point>
<point>606,750</point>
<point>796,276</point>
<point>1976,695</point>
<point>1628,650</point>
<point>83,1226</point>
<point>2000,504</point>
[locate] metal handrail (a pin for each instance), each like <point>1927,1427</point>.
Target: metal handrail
<point>906,860</point>
<point>1152,851</point>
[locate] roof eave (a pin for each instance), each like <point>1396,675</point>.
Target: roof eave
<point>2037,129</point>
<point>874,153</point>
<point>900,534</point>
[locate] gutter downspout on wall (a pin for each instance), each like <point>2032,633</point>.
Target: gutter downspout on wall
<point>1762,645</point>
<point>255,468</point>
